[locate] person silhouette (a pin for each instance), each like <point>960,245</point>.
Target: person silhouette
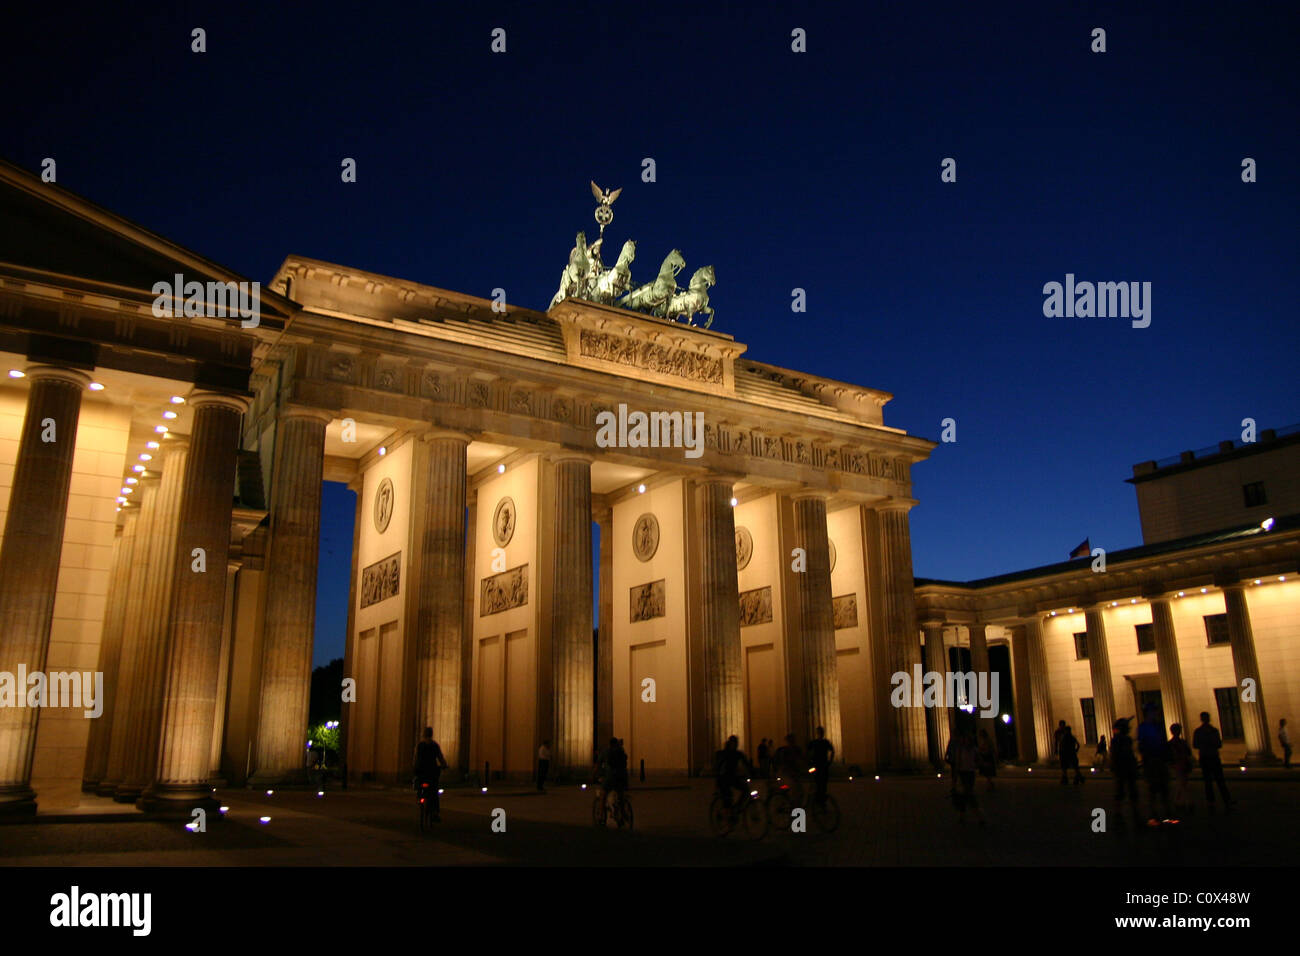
<point>1207,743</point>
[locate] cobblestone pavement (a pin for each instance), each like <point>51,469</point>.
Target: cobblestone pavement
<point>890,822</point>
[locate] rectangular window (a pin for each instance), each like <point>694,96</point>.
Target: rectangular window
<point>1216,629</point>
<point>1080,645</point>
<point>1089,720</point>
<point>1146,635</point>
<point>1254,494</point>
<point>1229,713</point>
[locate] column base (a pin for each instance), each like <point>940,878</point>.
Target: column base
<point>179,803</point>
<point>1265,759</point>
<point>17,804</point>
<point>106,788</point>
<point>287,779</point>
<point>125,793</point>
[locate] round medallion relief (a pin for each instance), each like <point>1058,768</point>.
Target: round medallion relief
<point>384,505</point>
<point>645,537</point>
<point>744,548</point>
<point>503,522</point>
<point>832,547</point>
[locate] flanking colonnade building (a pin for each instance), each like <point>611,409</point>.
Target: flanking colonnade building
<point>755,578</point>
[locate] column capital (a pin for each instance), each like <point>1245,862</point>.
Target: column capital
<point>565,454</point>
<point>234,402</point>
<point>933,624</point>
<point>57,373</point>
<point>894,504</point>
<point>804,494</point>
<point>443,434</point>
<point>301,411</point>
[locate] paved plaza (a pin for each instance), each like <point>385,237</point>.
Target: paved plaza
<point>895,821</point>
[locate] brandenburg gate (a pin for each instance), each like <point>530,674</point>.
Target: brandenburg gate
<point>755,572</point>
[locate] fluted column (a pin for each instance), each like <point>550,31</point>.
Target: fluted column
<point>290,597</point>
<point>29,561</point>
<point>1103,687</point>
<point>720,616</point>
<point>605,625</point>
<point>1254,721</point>
<point>197,609</point>
<point>571,597</point>
<point>937,661</point>
<point>821,689</point>
<point>144,717</point>
<point>1170,671</point>
<point>903,648</point>
<point>1026,738</point>
<point>110,650</point>
<point>979,662</point>
<point>223,672</point>
<point>439,553</point>
<point>142,574</point>
<point>1039,688</point>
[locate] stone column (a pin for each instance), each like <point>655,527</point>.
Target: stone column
<point>724,691</point>
<point>1172,698</point>
<point>290,598</point>
<point>903,652</point>
<point>1254,720</point>
<point>979,662</point>
<point>572,652</point>
<point>223,674</point>
<point>1026,735</point>
<point>821,689</point>
<point>605,645</point>
<point>936,660</point>
<point>142,574</point>
<point>110,650</point>
<point>1039,688</point>
<point>144,718</point>
<point>198,607</point>
<point>1103,688</point>
<point>438,550</point>
<point>29,561</point>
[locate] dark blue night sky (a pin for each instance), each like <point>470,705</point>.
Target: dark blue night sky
<point>818,170</point>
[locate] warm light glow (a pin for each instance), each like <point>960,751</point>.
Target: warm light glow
<point>151,444</point>
<point>121,501</point>
<point>383,450</point>
<point>640,489</point>
<point>137,468</point>
<point>95,387</point>
<point>160,429</point>
<point>1281,577</point>
<point>877,776</point>
<point>1133,600</point>
<point>1267,524</point>
<point>1257,580</point>
<point>145,456</point>
<point>169,414</point>
<point>223,809</point>
<point>733,502</point>
<point>177,400</point>
<point>133,480</point>
<point>1202,590</point>
<point>126,490</point>
<point>1181,593</point>
<point>1006,718</point>
<point>501,469</point>
<point>265,819</point>
<point>269,792</point>
<point>320,793</point>
<point>485,789</point>
<point>16,373</point>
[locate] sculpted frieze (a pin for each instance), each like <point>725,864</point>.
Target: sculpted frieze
<point>664,359</point>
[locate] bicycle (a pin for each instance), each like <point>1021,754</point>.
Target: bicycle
<point>620,810</point>
<point>782,801</point>
<point>747,811</point>
<point>427,795</point>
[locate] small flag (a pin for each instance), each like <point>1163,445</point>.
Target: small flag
<point>1083,550</point>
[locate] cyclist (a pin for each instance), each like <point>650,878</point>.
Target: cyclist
<point>428,765</point>
<point>727,763</point>
<point>788,762</point>
<point>613,770</point>
<point>820,754</point>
